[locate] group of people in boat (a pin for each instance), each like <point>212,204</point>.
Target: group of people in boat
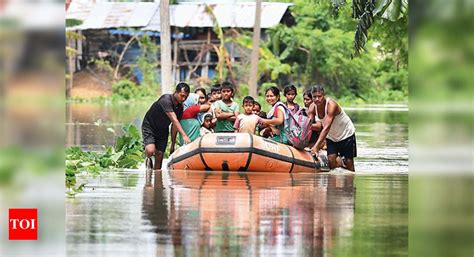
<point>195,114</point>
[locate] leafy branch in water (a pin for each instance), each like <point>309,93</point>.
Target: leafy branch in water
<point>126,153</point>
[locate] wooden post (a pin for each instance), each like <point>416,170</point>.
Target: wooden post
<point>255,49</point>
<point>175,57</point>
<point>165,47</point>
<point>205,69</point>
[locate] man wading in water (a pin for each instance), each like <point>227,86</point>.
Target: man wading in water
<point>168,109</point>
<point>338,130</point>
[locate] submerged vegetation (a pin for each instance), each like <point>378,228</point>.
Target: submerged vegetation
<point>126,153</point>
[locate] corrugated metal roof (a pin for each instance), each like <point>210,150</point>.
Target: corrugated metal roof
<point>147,15</point>
<point>111,15</point>
<point>238,15</point>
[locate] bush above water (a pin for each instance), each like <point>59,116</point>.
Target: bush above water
<point>128,90</point>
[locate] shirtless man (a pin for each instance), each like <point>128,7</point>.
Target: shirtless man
<point>338,130</point>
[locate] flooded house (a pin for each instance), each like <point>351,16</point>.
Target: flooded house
<point>112,32</point>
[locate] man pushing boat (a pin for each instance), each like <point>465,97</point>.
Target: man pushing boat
<point>168,109</point>
<point>338,130</point>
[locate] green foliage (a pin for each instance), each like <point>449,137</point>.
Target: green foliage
<point>73,22</point>
<point>148,61</point>
<point>367,12</point>
<point>128,90</point>
<point>318,49</point>
<point>243,90</point>
<point>102,65</point>
<point>126,153</point>
<point>269,65</point>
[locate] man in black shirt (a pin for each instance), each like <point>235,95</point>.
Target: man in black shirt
<point>168,109</point>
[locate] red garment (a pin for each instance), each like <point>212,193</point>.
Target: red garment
<point>191,112</point>
<point>275,113</point>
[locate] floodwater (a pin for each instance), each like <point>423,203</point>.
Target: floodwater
<point>195,213</point>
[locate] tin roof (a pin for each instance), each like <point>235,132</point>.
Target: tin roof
<point>147,15</point>
<point>103,15</point>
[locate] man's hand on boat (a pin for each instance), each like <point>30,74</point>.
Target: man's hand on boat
<point>315,150</point>
<point>186,139</point>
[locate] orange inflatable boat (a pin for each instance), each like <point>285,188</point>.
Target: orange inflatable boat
<point>243,152</point>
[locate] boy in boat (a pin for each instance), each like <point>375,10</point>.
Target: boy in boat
<point>216,92</point>
<point>226,110</point>
<point>168,109</point>
<point>247,121</point>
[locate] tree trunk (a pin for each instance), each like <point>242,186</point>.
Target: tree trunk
<point>71,75</point>
<point>255,49</point>
<point>165,47</point>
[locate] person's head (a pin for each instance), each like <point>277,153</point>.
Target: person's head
<point>257,108</point>
<point>216,92</point>
<point>202,95</point>
<point>318,94</point>
<point>207,120</point>
<point>272,95</point>
<point>248,104</point>
<point>227,91</point>
<point>181,92</point>
<point>210,99</point>
<point>290,93</point>
<point>307,98</point>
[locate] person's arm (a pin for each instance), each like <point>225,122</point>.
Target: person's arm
<point>311,112</point>
<point>220,115</point>
<point>278,120</point>
<point>232,118</point>
<point>204,108</point>
<point>236,125</point>
<point>175,122</point>
<point>174,132</point>
<point>332,112</point>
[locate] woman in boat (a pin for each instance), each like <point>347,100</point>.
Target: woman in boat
<point>277,118</point>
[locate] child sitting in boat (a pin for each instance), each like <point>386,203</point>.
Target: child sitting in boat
<point>247,121</point>
<point>210,102</point>
<point>290,94</point>
<point>206,127</point>
<point>216,92</point>
<point>226,110</point>
<point>257,109</point>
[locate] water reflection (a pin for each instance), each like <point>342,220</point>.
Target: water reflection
<point>222,213</point>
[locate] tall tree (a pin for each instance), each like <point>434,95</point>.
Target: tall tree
<point>165,47</point>
<point>255,50</point>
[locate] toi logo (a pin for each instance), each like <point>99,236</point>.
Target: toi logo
<point>23,224</point>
